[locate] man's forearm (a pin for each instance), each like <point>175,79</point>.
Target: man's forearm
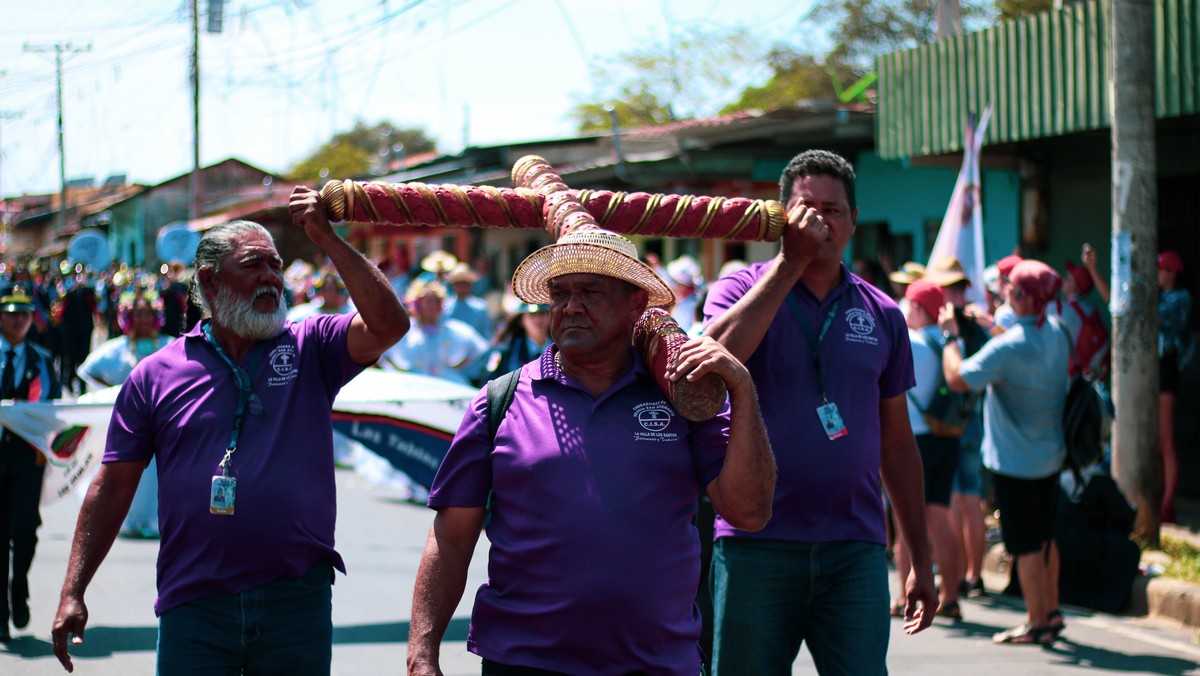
<point>373,295</point>
<point>743,326</point>
<point>746,485</point>
<point>903,477</point>
<point>104,508</point>
<point>441,580</point>
<point>951,367</point>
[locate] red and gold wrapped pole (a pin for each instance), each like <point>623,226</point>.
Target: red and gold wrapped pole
<point>657,335</point>
<point>659,338</point>
<point>652,215</point>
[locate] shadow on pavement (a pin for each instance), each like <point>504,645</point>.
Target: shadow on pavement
<point>97,642</point>
<point>29,647</point>
<point>1093,657</point>
<point>393,632</point>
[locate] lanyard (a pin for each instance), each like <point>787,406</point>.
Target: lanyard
<point>247,397</point>
<point>814,342</point>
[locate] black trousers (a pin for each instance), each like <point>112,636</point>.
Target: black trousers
<point>20,495</point>
<point>76,344</point>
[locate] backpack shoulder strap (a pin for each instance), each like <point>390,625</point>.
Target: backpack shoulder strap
<point>1070,344</point>
<point>937,350</point>
<point>500,393</point>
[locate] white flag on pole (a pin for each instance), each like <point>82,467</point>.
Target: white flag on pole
<point>961,234</point>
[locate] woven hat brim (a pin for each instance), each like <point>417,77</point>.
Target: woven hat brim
<point>901,277</point>
<point>531,281</point>
<point>947,278</point>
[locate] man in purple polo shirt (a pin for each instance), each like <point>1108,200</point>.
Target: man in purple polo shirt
<point>237,413</point>
<point>830,355</point>
<point>593,481</point>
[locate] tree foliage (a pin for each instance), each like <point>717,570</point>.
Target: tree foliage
<point>702,72</point>
<point>866,29</point>
<point>1007,10</point>
<point>362,151</point>
<point>692,75</point>
<point>795,77</point>
<point>632,108</point>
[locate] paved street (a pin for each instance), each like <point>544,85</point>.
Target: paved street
<point>381,539</point>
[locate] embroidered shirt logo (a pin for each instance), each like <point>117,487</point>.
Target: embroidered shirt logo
<point>862,325</point>
<point>654,418</point>
<point>283,366</point>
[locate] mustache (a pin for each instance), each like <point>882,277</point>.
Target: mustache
<point>269,291</point>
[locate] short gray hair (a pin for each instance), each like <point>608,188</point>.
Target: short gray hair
<point>215,245</point>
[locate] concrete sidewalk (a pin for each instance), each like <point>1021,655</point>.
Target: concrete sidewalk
<point>1152,596</point>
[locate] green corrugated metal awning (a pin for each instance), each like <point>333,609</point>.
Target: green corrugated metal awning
<point>1047,75</point>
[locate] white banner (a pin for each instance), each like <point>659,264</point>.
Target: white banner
<point>70,436</point>
<point>404,417</point>
<point>961,234</point>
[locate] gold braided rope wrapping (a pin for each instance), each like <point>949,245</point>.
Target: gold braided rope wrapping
<point>656,335</point>
<point>658,338</point>
<point>563,212</point>
<point>737,218</point>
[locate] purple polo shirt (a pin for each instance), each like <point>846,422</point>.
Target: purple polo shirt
<point>178,405</point>
<point>594,558</point>
<point>826,490</point>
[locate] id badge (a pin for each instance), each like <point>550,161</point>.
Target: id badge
<point>224,492</point>
<point>831,420</point>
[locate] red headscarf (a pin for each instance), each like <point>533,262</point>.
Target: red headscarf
<point>1083,280</point>
<point>1039,281</point>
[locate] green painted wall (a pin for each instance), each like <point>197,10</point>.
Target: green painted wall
<point>907,197</point>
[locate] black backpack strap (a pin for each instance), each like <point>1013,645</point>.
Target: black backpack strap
<point>1070,342</point>
<point>500,393</point>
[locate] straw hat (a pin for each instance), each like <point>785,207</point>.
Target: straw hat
<point>439,262</point>
<point>945,271</point>
<point>908,273</point>
<point>587,251</point>
<point>461,273</point>
<point>685,271</point>
<point>16,300</point>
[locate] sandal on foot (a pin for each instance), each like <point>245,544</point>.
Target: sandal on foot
<point>898,609</point>
<point>975,589</point>
<point>1054,622</point>
<point>1025,635</point>
<point>950,610</point>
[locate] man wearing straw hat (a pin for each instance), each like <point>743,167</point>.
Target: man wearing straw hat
<point>591,483</point>
<point>26,374</point>
<point>831,355</point>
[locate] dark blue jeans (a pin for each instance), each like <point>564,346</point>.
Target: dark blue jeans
<point>769,596</point>
<point>284,627</point>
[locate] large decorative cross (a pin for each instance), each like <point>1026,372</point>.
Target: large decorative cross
<point>541,200</point>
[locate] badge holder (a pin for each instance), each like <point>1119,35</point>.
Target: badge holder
<point>831,420</point>
<point>223,494</point>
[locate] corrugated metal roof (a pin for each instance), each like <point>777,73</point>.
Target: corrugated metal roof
<point>1046,74</point>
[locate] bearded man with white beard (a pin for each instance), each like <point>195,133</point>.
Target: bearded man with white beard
<point>238,414</point>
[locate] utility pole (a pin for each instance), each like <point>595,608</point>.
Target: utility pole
<point>196,182</point>
<point>5,115</point>
<point>1134,301</point>
<point>949,19</point>
<point>59,49</point>
<point>4,214</point>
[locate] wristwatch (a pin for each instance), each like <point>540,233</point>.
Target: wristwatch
<point>949,336</point>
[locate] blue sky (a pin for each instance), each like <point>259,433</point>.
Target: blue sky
<point>285,75</point>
